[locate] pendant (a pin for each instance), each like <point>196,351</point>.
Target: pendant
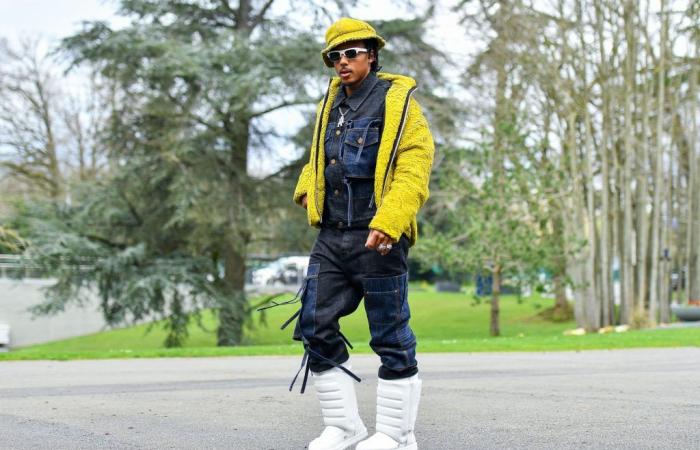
<point>341,121</point>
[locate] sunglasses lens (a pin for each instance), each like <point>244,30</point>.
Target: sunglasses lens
<point>334,56</point>
<point>351,53</point>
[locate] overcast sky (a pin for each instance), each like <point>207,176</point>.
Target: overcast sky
<point>51,18</point>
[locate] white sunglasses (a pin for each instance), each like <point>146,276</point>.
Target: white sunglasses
<point>350,53</point>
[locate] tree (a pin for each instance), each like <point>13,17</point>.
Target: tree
<point>500,225</point>
<point>10,240</point>
<point>192,82</point>
<point>29,116</point>
<point>613,107</point>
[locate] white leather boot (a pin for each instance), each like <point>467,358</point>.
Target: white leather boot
<point>397,408</point>
<point>336,393</point>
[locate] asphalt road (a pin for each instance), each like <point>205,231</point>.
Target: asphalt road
<point>621,399</point>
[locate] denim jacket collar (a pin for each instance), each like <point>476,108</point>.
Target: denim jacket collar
<point>359,96</point>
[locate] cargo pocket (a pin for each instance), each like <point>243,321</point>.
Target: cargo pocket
<point>306,323</point>
<point>360,152</point>
<point>386,304</point>
<point>308,288</point>
<point>388,313</point>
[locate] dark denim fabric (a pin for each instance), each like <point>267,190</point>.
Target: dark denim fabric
<point>341,272</point>
<point>351,153</point>
<point>352,156</point>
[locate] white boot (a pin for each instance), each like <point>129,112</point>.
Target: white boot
<point>397,408</point>
<point>336,393</point>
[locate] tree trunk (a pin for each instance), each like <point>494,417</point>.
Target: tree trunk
<point>606,247</point>
<point>575,217</point>
<point>663,314</point>
<point>693,226</point>
<point>233,309</point>
<point>495,297</point>
<point>642,198</point>
<point>562,310</point>
<point>628,236</point>
<point>593,308</point>
<point>658,180</point>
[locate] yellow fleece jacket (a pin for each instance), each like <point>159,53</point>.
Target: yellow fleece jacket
<point>404,161</point>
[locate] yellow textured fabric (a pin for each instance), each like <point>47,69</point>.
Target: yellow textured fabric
<point>406,180</point>
<point>346,29</point>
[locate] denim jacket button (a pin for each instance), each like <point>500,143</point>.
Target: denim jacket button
<point>333,161</point>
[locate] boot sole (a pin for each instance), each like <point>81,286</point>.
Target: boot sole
<point>353,440</point>
<point>408,447</point>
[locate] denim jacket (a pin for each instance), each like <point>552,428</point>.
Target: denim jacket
<point>351,143</point>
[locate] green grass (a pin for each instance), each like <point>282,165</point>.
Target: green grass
<point>442,322</point>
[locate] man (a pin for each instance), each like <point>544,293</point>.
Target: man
<point>371,156</point>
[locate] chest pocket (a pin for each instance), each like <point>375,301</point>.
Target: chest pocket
<point>360,151</point>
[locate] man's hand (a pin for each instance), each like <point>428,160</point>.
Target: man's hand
<point>303,201</point>
<point>375,240</point>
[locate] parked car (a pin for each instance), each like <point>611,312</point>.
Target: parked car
<point>285,270</point>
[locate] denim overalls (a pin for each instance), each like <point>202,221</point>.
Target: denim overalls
<point>341,269</point>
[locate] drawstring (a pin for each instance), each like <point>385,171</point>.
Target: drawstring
<point>345,339</point>
<point>305,361</point>
<point>335,364</point>
<point>294,316</point>
<point>295,299</point>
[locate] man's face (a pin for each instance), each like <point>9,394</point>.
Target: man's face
<point>353,71</point>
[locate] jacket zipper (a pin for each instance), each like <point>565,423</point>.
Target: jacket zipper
<point>318,144</point>
<point>396,141</point>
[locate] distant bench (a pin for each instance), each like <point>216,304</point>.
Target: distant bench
<point>4,337</point>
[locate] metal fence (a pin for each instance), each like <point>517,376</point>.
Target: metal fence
<point>12,266</point>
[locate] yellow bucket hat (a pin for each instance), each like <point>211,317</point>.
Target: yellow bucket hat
<point>346,30</point>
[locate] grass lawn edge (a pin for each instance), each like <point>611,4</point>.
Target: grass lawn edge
<point>641,339</point>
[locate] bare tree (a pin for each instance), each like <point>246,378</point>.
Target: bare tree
<point>47,134</point>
